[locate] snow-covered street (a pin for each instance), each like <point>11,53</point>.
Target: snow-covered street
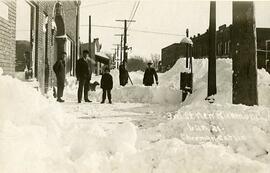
<point>146,129</point>
<point>142,115</point>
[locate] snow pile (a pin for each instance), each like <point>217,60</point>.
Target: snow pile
<point>30,130</point>
<point>168,91</point>
<point>37,136</point>
<point>246,130</point>
<point>264,87</point>
<point>136,93</point>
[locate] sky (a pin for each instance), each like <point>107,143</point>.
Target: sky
<point>165,16</point>
<point>161,16</point>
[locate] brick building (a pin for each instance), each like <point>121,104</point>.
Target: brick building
<point>200,49</point>
<point>54,28</point>
<point>7,35</point>
<point>200,46</point>
<point>170,54</point>
<point>263,37</point>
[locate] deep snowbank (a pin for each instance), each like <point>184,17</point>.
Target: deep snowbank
<point>30,128</point>
<point>37,136</point>
<point>137,93</point>
<point>224,81</point>
<point>167,92</point>
<point>246,130</point>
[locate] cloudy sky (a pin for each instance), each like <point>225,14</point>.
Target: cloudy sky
<point>168,19</point>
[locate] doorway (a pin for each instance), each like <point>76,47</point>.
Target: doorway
<point>45,53</point>
<point>26,58</point>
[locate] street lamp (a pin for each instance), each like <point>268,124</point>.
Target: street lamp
<point>186,78</point>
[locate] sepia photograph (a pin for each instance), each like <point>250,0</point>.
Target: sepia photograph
<point>134,86</point>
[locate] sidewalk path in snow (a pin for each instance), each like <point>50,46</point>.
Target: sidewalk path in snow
<point>108,115</point>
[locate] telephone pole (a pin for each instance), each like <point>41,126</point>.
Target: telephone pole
<point>121,46</point>
<point>117,48</point>
<point>125,38</point>
<point>212,86</point>
<point>187,49</point>
<point>244,54</point>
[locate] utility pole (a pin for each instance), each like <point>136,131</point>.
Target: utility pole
<point>117,48</point>
<point>89,39</point>
<point>212,86</point>
<point>121,46</point>
<point>116,53</point>
<point>125,38</point>
<point>244,54</point>
<point>187,47</point>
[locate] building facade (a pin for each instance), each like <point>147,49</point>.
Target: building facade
<point>54,30</point>
<point>171,54</point>
<point>200,48</point>
<point>7,36</point>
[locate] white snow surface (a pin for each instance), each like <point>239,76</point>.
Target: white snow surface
<point>140,132</point>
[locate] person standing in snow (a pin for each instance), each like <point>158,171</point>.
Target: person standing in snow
<point>59,69</point>
<point>106,84</point>
<point>149,74</point>
<point>123,74</point>
<point>83,76</point>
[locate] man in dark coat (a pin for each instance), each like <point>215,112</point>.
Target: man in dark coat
<point>149,74</point>
<point>83,76</point>
<point>106,84</point>
<point>123,74</point>
<point>59,69</point>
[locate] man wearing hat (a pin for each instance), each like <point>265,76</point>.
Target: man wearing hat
<point>149,74</point>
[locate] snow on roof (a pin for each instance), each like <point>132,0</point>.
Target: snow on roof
<point>101,54</point>
<point>186,40</point>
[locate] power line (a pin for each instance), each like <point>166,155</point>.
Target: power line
<point>91,5</point>
<point>136,30</point>
<point>132,11</point>
<point>125,38</point>
<point>96,4</point>
<point>138,3</point>
<point>154,32</point>
<point>104,26</point>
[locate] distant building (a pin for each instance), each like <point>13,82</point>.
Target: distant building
<point>100,58</point>
<point>173,52</point>
<point>263,40</point>
<point>200,48</point>
<point>170,54</point>
<point>7,36</point>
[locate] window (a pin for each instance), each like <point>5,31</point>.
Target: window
<point>228,47</point>
<point>225,48</point>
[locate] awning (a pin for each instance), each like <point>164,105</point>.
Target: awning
<point>102,58</point>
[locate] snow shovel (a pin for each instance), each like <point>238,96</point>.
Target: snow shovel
<point>130,79</point>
